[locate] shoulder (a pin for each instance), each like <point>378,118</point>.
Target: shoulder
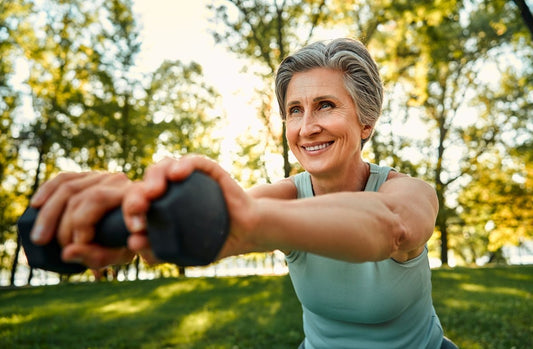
<point>395,174</point>
<point>283,189</point>
<point>403,181</point>
<point>406,186</point>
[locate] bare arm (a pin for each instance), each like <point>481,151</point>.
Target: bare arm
<point>354,226</point>
<point>284,190</point>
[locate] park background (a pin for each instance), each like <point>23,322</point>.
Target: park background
<point>116,85</point>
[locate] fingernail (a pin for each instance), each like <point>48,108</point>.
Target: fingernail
<point>176,168</point>
<point>35,199</point>
<point>137,224</point>
<point>150,186</point>
<point>37,233</point>
<point>77,237</point>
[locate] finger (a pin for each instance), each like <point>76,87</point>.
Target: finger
<point>49,187</point>
<point>234,195</point>
<point>156,177</point>
<point>170,169</point>
<point>95,256</point>
<point>141,245</point>
<point>135,205</point>
<point>57,194</point>
<point>138,243</point>
<point>183,168</point>
<point>85,210</point>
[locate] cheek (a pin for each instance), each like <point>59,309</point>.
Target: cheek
<point>291,133</point>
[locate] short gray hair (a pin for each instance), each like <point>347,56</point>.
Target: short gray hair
<point>351,57</point>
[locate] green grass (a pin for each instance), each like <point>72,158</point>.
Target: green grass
<point>479,308</point>
<point>486,307</point>
<point>249,312</point>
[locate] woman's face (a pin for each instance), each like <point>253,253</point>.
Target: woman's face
<point>323,130</point>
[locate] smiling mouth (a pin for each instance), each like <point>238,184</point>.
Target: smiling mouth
<point>318,147</point>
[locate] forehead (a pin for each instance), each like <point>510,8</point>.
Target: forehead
<point>318,81</point>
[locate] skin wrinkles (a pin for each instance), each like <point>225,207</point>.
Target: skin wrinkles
<point>320,111</point>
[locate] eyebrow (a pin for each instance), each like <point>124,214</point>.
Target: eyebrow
<point>316,99</point>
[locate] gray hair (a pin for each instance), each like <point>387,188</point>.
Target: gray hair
<point>351,57</point>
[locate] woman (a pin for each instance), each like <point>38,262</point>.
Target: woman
<point>354,233</point>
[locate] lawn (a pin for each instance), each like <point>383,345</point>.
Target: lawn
<point>486,307</point>
<point>479,308</point>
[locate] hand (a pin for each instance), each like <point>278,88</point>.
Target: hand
<point>138,198</point>
<point>70,205</point>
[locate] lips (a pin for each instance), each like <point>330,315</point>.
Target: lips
<point>317,147</point>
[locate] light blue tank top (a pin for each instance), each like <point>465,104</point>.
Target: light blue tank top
<point>380,305</point>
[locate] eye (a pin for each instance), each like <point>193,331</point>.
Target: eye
<point>326,105</point>
<point>295,110</point>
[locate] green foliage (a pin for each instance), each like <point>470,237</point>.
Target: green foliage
<point>265,32</point>
<point>433,56</point>
<point>84,104</point>
<point>496,208</point>
<point>91,108</point>
<point>90,105</point>
<point>248,161</point>
<point>487,308</point>
<point>185,109</point>
<point>12,20</point>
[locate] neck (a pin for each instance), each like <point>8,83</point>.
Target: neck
<point>353,178</point>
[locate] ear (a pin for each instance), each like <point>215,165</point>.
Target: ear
<point>366,132</point>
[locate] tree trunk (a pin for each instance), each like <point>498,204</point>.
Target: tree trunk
<point>286,163</point>
<point>15,263</point>
<point>30,276</point>
<point>444,244</point>
<point>440,187</point>
<point>526,15</point>
<point>17,250</point>
<point>136,263</point>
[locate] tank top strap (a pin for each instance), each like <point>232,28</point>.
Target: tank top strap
<point>303,183</point>
<point>378,176</point>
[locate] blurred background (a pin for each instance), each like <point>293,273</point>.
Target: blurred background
<point>118,84</point>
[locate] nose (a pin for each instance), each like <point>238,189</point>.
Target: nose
<point>310,125</point>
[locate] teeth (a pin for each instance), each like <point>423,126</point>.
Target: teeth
<point>317,147</point>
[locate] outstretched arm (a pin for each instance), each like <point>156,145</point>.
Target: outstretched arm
<point>394,222</point>
<point>353,226</point>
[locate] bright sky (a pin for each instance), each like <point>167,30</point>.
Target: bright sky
<point>178,29</point>
<point>174,29</point>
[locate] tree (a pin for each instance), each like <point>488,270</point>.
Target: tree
<point>12,21</point>
<point>185,107</point>
<point>431,54</point>
<point>526,14</point>
<point>495,205</point>
<point>265,32</point>
<point>495,209</point>
<point>435,71</point>
<point>91,109</point>
<point>248,161</point>
<point>117,130</point>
